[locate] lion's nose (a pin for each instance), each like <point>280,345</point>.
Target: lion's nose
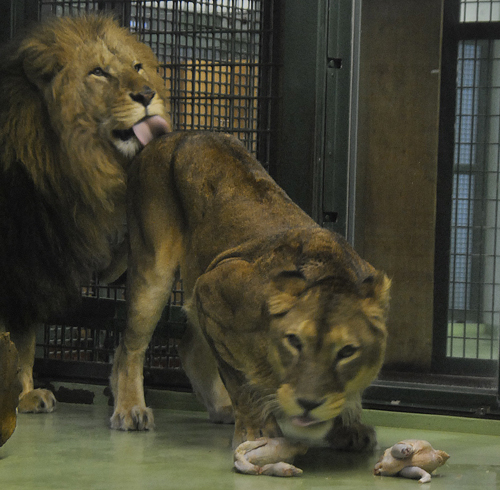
<point>143,97</point>
<point>309,405</point>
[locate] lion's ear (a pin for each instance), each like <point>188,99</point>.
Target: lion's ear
<point>40,61</point>
<point>285,288</point>
<point>375,291</point>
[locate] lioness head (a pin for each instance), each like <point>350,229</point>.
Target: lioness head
<point>297,322</point>
<point>328,343</point>
<point>99,84</point>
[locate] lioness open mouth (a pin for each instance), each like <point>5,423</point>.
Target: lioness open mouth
<point>145,130</point>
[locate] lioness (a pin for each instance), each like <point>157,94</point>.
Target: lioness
<point>79,97</point>
<point>294,317</point>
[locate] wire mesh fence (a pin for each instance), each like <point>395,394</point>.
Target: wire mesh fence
<point>474,319</point>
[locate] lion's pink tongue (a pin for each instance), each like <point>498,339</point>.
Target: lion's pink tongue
<point>304,421</point>
<point>150,128</point>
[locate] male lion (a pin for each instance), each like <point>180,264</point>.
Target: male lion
<point>78,98</point>
<point>295,318</point>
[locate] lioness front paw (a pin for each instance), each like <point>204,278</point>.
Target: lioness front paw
<point>265,456</point>
<point>357,437</point>
<point>37,401</point>
<point>136,418</point>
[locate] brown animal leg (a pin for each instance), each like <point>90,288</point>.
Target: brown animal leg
<point>148,290</point>
<point>156,228</point>
<point>10,388</point>
<point>30,400</point>
<point>150,279</point>
<point>201,367</point>
<point>155,250</point>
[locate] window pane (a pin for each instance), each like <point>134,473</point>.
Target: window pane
<point>479,10</point>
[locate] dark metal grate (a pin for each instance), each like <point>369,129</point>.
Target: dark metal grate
<point>215,57</point>
<point>92,333</point>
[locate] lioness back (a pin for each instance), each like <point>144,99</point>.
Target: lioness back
<point>214,175</point>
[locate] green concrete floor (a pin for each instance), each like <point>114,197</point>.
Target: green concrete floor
<point>73,449</point>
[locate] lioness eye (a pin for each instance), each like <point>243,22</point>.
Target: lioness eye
<point>294,341</point>
<point>138,67</point>
<point>98,72</point>
<point>347,351</point>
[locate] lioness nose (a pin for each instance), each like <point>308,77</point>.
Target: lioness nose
<point>309,405</point>
<point>143,97</point>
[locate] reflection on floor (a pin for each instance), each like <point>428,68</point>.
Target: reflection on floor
<point>73,448</point>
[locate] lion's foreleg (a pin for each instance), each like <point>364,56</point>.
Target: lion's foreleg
<point>30,400</point>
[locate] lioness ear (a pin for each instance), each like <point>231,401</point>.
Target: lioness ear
<point>285,288</point>
<point>375,289</point>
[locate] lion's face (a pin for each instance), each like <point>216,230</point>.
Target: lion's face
<point>326,348</point>
<point>98,80</point>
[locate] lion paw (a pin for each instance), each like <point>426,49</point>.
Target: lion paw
<point>37,401</point>
<point>137,418</point>
<point>357,437</point>
<point>266,456</point>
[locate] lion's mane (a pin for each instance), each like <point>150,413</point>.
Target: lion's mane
<point>62,184</point>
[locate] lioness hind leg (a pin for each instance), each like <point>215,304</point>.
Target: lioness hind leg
<point>155,249</point>
<point>201,368</point>
<point>149,286</point>
<point>30,400</point>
